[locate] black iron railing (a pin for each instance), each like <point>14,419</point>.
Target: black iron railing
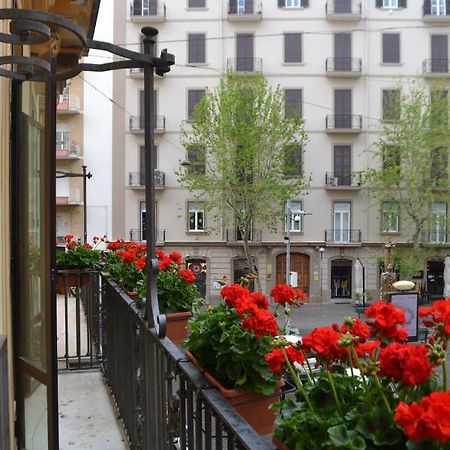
<point>351,65</point>
<point>349,122</point>
<point>436,65</point>
<point>235,235</point>
<point>164,401</point>
<point>245,64</point>
<point>138,235</point>
<point>137,124</point>
<point>4,394</point>
<point>78,304</point>
<point>438,10</point>
<point>247,7</point>
<point>350,179</point>
<point>350,7</point>
<point>137,179</point>
<point>343,236</point>
<point>147,9</point>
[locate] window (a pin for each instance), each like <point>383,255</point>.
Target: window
<point>292,103</point>
<point>196,48</point>
<point>196,3</point>
<point>391,158</point>
<point>342,165</point>
<point>292,47</point>
<point>293,163</point>
<point>391,105</point>
<point>438,225</point>
<point>439,166</point>
<point>241,7</point>
<point>343,51</point>
<point>294,216</point>
<point>293,3</point>
<point>145,7</point>
<point>439,53</point>
<point>439,108</point>
<point>196,216</point>
<point>196,156</point>
<point>62,136</point>
<point>140,233</point>
<point>244,52</point>
<point>391,4</point>
<point>391,48</point>
<point>194,96</point>
<point>438,7</point>
<point>390,217</point>
<point>341,222</point>
<point>343,108</point>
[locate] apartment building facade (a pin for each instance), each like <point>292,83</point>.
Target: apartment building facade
<point>340,63</point>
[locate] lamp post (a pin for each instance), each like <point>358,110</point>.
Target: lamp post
<point>85,175</point>
<point>321,252</point>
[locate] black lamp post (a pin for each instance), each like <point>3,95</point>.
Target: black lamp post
<point>85,175</point>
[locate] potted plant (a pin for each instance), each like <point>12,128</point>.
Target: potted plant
<point>376,391</point>
<point>76,260</point>
<point>229,342</point>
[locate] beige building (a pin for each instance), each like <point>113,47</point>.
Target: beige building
<point>338,62</point>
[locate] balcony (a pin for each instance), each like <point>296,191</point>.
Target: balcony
<point>343,67</point>
<point>234,236</point>
<point>68,150</point>
<point>351,181</point>
<point>436,68</point>
<point>343,123</point>
<point>138,235</point>
<point>245,64</point>
<point>63,200</point>
<point>341,236</point>
<point>136,180</point>
<point>348,10</point>
<point>68,104</point>
<point>436,13</point>
<point>246,11</point>
<point>136,124</point>
<point>147,11</point>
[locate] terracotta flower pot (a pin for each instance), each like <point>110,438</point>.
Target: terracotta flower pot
<point>176,326</point>
<point>280,445</point>
<point>252,406</point>
<point>72,280</point>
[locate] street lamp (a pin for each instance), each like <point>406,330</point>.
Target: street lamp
<point>321,252</point>
<point>84,175</point>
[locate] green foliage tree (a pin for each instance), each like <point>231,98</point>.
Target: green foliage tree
<point>411,158</point>
<point>250,153</point>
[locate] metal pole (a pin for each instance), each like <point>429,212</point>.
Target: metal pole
<point>288,244</point>
<point>321,275</point>
<point>84,205</point>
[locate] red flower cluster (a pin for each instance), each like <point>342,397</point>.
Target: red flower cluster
<point>428,419</point>
<point>388,322</point>
<point>439,318</point>
<point>187,275</point>
<point>357,328</point>
<point>276,359</point>
<point>408,363</point>
<point>252,307</point>
<point>284,294</point>
<point>325,342</point>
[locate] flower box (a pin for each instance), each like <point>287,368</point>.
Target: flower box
<point>72,278</point>
<point>176,326</point>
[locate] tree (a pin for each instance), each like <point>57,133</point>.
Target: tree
<point>245,154</point>
<point>412,156</point>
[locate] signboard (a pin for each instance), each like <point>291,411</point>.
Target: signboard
<point>408,302</point>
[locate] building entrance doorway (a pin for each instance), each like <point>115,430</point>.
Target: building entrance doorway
<point>198,267</point>
<point>435,279</point>
<point>299,264</point>
<point>341,278</point>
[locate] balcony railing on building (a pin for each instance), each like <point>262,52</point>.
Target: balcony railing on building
<point>436,11</point>
<point>68,104</point>
<point>436,67</point>
<point>343,123</point>
<point>68,200</point>
<point>67,149</point>
<point>342,236</point>
<point>343,67</point>
<point>234,235</point>
<point>147,11</point>
<point>136,124</point>
<point>244,10</point>
<point>138,235</point>
<point>343,10</point>
<point>137,179</point>
<point>351,180</point>
<point>245,64</point>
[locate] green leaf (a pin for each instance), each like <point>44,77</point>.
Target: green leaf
<point>348,439</point>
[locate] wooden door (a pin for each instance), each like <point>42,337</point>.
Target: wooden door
<point>299,264</point>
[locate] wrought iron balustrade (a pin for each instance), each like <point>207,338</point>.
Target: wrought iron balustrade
<point>351,65</point>
<point>245,64</point>
<point>436,66</point>
<point>346,8</point>
<point>350,179</point>
<point>343,236</point>
<point>138,234</point>
<point>137,124</point>
<point>235,235</point>
<point>137,179</point>
<point>351,123</point>
<point>150,10</point>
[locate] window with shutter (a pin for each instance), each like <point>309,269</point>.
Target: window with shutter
<point>391,104</point>
<point>439,53</point>
<point>391,48</point>
<point>343,108</point>
<point>196,48</point>
<point>244,52</point>
<point>342,164</point>
<point>293,162</point>
<point>342,51</point>
<point>293,47</point>
<point>292,103</point>
<point>194,96</point>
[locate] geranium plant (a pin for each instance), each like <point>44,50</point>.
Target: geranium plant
<point>78,255</point>
<point>375,390</point>
<point>230,340</point>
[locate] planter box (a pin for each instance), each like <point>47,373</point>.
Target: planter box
<point>252,406</point>
<point>176,326</point>
<point>72,279</point>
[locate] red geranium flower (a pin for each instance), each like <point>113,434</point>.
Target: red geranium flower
<point>141,263</point>
<point>282,294</point>
<point>356,328</point>
<point>325,341</point>
<point>233,292</point>
<point>388,321</point>
<point>439,314</point>
<point>187,275</point>
<point>259,299</point>
<point>113,245</point>
<point>428,419</point>
<point>176,257</point>
<point>276,358</point>
<point>405,362</point>
<point>164,262</point>
<point>261,322</point>
<point>68,237</point>
<point>366,348</point>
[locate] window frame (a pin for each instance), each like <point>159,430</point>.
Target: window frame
<point>196,7</point>
<point>295,226</point>
<point>191,207</point>
<point>299,50</point>
<point>384,53</point>
<point>390,217</point>
<point>298,107</point>
<point>384,104</point>
<point>438,221</point>
<point>190,41</point>
<point>189,113</point>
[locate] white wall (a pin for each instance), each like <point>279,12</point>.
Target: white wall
<point>98,130</point>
